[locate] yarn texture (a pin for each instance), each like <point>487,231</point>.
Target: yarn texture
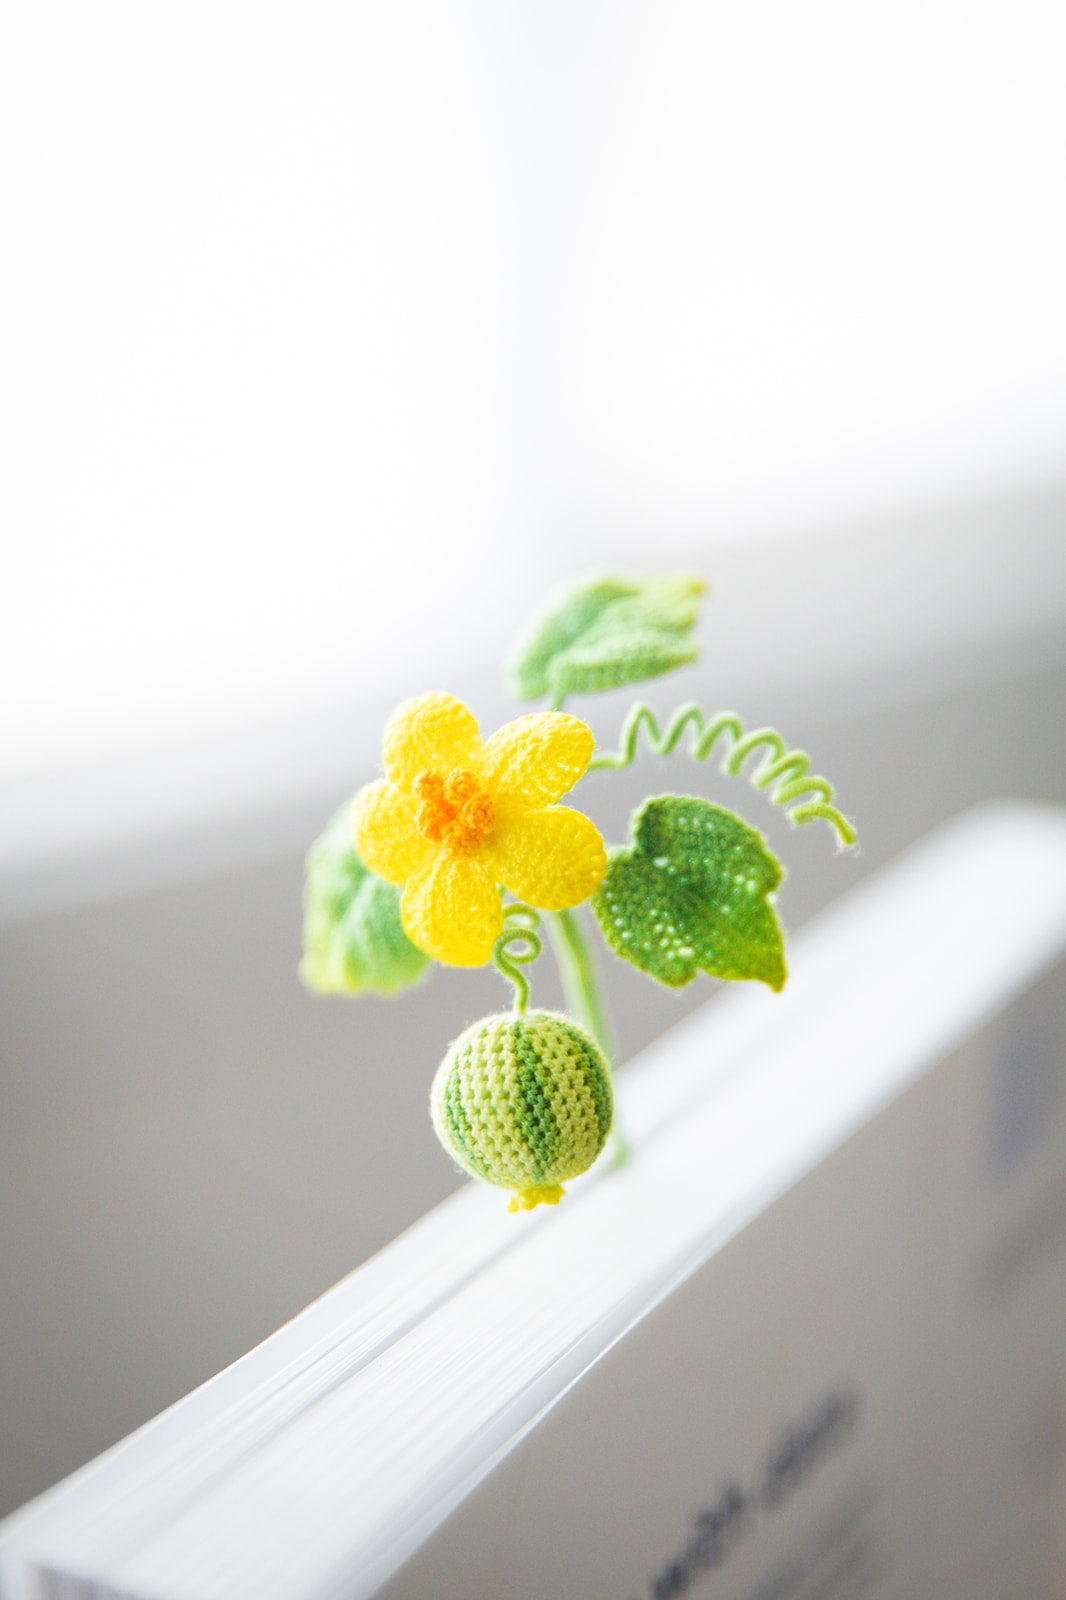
<point>462,853</point>
<point>693,893</point>
<point>523,1102</point>
<point>354,941</point>
<point>608,632</point>
<point>454,818</point>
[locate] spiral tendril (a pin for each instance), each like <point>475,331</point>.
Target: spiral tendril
<point>787,771</point>
<point>525,922</point>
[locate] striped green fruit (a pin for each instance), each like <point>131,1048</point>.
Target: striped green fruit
<point>523,1102</point>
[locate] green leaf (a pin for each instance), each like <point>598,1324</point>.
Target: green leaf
<point>692,893</point>
<point>353,936</point>
<point>609,632</point>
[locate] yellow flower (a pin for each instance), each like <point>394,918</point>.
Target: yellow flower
<point>454,818</point>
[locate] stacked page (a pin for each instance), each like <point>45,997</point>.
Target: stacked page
<point>808,1344</point>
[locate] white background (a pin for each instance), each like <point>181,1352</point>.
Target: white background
<point>332,333</point>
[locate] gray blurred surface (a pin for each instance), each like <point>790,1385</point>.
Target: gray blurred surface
<point>191,1147</point>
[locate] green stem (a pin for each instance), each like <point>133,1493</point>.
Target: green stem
<point>582,993</point>
<point>579,979</point>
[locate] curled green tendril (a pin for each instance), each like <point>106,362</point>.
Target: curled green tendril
<point>525,922</point>
<point>788,770</point>
<point>518,911</point>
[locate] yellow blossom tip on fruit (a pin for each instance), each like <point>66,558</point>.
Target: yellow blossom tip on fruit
<point>547,1195</point>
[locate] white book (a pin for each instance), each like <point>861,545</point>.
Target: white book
<point>808,1344</point>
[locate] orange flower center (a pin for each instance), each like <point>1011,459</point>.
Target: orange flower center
<point>453,812</point>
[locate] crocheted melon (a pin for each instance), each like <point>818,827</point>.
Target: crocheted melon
<point>523,1102</point>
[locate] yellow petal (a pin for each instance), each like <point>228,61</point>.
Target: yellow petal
<point>451,910</point>
<point>552,858</point>
<point>535,759</point>
<point>385,834</point>
<point>434,732</point>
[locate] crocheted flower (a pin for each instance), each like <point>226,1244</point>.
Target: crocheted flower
<point>454,818</point>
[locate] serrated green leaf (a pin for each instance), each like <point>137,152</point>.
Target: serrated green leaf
<point>607,633</point>
<point>691,893</point>
<point>353,937</point>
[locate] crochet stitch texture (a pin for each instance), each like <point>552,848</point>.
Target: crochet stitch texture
<point>455,817</point>
<point>523,1102</point>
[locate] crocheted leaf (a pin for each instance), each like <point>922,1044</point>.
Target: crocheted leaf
<point>353,936</point>
<point>609,632</point>
<point>692,893</point>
